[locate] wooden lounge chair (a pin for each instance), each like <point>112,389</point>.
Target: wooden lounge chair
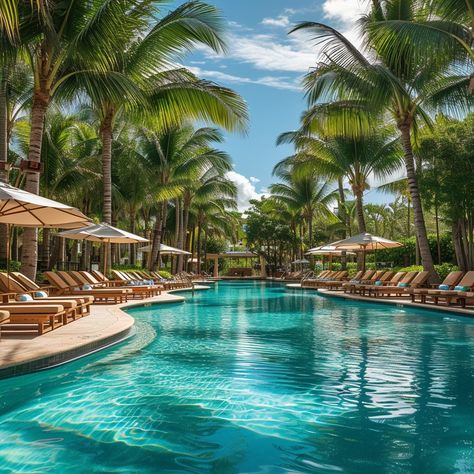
<point>42,317</point>
<point>326,275</point>
<point>452,296</point>
<point>101,295</point>
<point>12,289</point>
<point>145,290</point>
<point>83,302</point>
<point>404,287</point>
<point>451,280</point>
<point>336,282</point>
<point>4,319</point>
<point>382,279</point>
<point>364,279</point>
<point>393,281</point>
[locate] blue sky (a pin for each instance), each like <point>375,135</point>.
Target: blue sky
<point>265,65</point>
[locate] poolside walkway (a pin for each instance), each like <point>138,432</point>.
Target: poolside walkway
<point>105,326</point>
<point>405,301</point>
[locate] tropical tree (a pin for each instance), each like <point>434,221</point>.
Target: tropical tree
<point>142,67</point>
<point>175,157</point>
<point>353,158</point>
<point>57,37</point>
<point>347,87</point>
<point>304,193</point>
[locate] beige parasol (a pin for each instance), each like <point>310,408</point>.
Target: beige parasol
<point>104,233</point>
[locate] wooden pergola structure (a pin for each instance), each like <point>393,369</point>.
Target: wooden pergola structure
<point>235,254</point>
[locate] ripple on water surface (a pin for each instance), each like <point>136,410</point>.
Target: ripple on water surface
<point>251,377</point>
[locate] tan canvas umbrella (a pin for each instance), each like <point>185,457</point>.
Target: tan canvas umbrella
<point>365,242</point>
<point>104,233</point>
<point>24,209</point>
<point>165,250</point>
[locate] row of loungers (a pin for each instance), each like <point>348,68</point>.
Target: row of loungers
<point>457,287</point>
<point>26,306</point>
<point>36,310</point>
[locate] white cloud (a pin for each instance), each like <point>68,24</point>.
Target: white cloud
<point>282,21</point>
<point>344,11</point>
<point>269,81</point>
<point>254,180</point>
<point>245,189</point>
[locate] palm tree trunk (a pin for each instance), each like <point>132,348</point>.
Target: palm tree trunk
<point>3,153</point>
<point>29,255</point>
<point>420,227</point>
<point>46,248</point>
<point>177,231</point>
<point>106,136</point>
<point>132,249</point>
<point>157,233</point>
<point>360,211</point>
<point>198,243</point>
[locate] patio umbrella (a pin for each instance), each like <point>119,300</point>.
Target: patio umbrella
<point>327,250</point>
<point>165,250</point>
<point>365,242</point>
<point>104,233</point>
<point>21,208</point>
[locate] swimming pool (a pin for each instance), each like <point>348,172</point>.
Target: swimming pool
<point>252,377</point>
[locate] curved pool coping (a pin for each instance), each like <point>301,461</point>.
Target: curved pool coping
<point>106,326</point>
<point>452,310</point>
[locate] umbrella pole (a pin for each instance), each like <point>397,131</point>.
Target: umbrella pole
<point>105,258</point>
<point>8,255</point>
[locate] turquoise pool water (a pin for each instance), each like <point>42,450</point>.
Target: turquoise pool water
<point>254,378</point>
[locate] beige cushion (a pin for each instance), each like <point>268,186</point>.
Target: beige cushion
<point>32,309</point>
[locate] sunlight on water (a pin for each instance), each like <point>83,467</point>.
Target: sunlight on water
<point>251,377</point>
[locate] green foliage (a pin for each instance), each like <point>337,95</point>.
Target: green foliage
<point>14,266</point>
<point>404,256</point>
<point>213,245</point>
<point>127,267</point>
<point>442,269</point>
<point>165,274</point>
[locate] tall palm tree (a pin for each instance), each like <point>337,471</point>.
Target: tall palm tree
<point>353,158</point>
<point>57,38</point>
<point>143,65</point>
<point>446,31</point>
<point>211,199</point>
<point>305,193</point>
<point>347,86</point>
<point>176,155</point>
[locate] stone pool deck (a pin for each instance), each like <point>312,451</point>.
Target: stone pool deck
<point>405,301</point>
<point>105,326</point>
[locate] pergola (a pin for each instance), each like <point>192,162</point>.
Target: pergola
<point>234,254</point>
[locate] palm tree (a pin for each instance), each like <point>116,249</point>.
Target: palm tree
<point>175,156</point>
<point>305,193</point>
<point>143,68</point>
<point>346,89</point>
<point>213,205</point>
<point>57,38</point>
<point>446,31</point>
<point>67,169</point>
<point>350,158</point>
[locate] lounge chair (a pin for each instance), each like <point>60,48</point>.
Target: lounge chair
<point>138,286</point>
<point>326,275</point>
<point>392,281</point>
<point>462,291</point>
<point>42,317</point>
<point>101,295</point>
<point>336,282</point>
<point>380,279</point>
<point>37,293</point>
<point>404,287</point>
<point>452,279</point>
<point>366,278</point>
<point>4,319</point>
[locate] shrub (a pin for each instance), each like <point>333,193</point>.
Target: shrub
<point>165,274</point>
<point>14,266</point>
